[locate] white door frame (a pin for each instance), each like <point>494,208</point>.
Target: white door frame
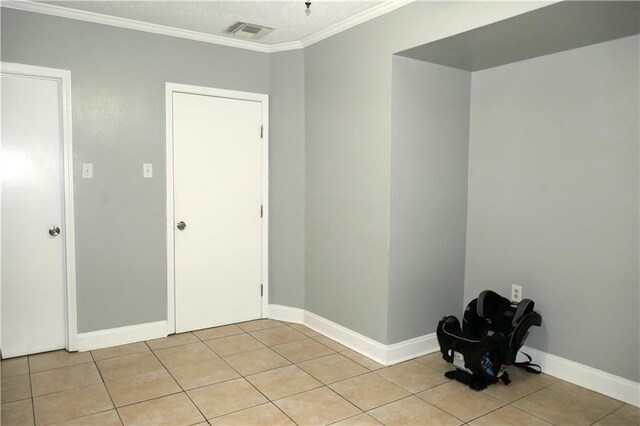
<point>64,77</point>
<point>172,88</point>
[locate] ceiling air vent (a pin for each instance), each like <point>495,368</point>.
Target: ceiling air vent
<point>246,30</point>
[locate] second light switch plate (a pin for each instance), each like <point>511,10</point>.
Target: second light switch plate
<point>87,170</point>
<point>147,170</point>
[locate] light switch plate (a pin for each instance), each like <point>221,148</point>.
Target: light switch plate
<point>147,170</point>
<point>87,170</point>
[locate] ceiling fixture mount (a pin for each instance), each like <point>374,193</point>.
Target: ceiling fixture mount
<point>307,10</point>
<point>247,30</point>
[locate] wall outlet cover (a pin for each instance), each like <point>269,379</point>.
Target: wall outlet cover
<point>516,293</point>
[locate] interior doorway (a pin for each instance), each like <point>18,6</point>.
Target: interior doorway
<point>217,172</point>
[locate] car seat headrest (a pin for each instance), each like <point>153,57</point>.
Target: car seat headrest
<point>524,307</point>
<point>488,303</point>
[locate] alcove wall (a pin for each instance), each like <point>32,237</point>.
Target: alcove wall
<point>515,160</point>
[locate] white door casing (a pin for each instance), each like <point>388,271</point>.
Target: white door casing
<point>217,180</point>
<point>37,270</point>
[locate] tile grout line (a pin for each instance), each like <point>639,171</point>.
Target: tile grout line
<point>52,351</point>
<point>504,403</point>
<point>345,399</point>
<point>135,375</point>
<point>293,394</point>
<point>215,383</point>
<point>178,383</point>
<point>323,385</point>
<point>118,356</point>
<point>260,372</point>
<point>64,366</point>
<point>304,360</point>
<point>616,409</point>
<point>240,376</point>
<point>510,404</point>
<point>243,352</point>
<point>352,417</point>
<point>69,389</point>
<point>326,385</point>
<point>532,393</point>
<point>104,383</point>
<point>273,401</point>
<point>148,400</point>
<point>299,331</point>
<point>89,415</point>
<point>251,384</point>
<point>525,411</point>
<point>219,337</point>
<point>271,369</point>
<point>66,390</point>
<point>381,405</point>
<point>414,394</point>
<point>613,412</point>
<point>33,400</point>
<point>261,393</point>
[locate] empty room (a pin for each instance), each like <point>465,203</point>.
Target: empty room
<point>291,212</point>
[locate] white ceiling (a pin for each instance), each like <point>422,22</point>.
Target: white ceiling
<point>214,17</point>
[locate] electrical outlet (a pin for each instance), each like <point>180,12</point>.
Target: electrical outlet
<point>516,293</point>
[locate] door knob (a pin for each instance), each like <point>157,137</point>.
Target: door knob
<point>54,231</point>
<point>181,225</point>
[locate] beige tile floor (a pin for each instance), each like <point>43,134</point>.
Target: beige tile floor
<point>267,372</point>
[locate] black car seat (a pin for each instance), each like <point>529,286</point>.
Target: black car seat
<point>492,332</point>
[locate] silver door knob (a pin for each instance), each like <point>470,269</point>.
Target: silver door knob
<point>54,231</point>
<point>181,225</point>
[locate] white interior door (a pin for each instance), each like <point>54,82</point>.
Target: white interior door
<point>33,260</point>
<point>218,196</point>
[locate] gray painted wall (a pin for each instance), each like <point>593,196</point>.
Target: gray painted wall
<point>429,153</point>
<point>553,198</point>
<point>287,179</point>
<point>563,25</point>
<point>118,92</point>
<point>348,146</point>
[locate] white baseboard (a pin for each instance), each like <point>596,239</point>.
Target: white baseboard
<point>356,341</point>
<point>121,335</point>
<point>379,352</point>
<point>285,313</point>
<point>588,377</point>
<point>412,348</point>
<point>570,371</point>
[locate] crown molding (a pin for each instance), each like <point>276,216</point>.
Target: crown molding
<point>132,24</point>
<point>282,47</point>
<point>374,12</point>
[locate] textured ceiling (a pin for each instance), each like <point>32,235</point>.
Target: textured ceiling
<point>214,17</point>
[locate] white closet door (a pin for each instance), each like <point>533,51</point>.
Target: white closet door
<point>33,268</point>
<point>217,194</point>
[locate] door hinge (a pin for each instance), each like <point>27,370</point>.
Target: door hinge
<point>261,131</point>
<point>261,211</point>
<point>261,290</point>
